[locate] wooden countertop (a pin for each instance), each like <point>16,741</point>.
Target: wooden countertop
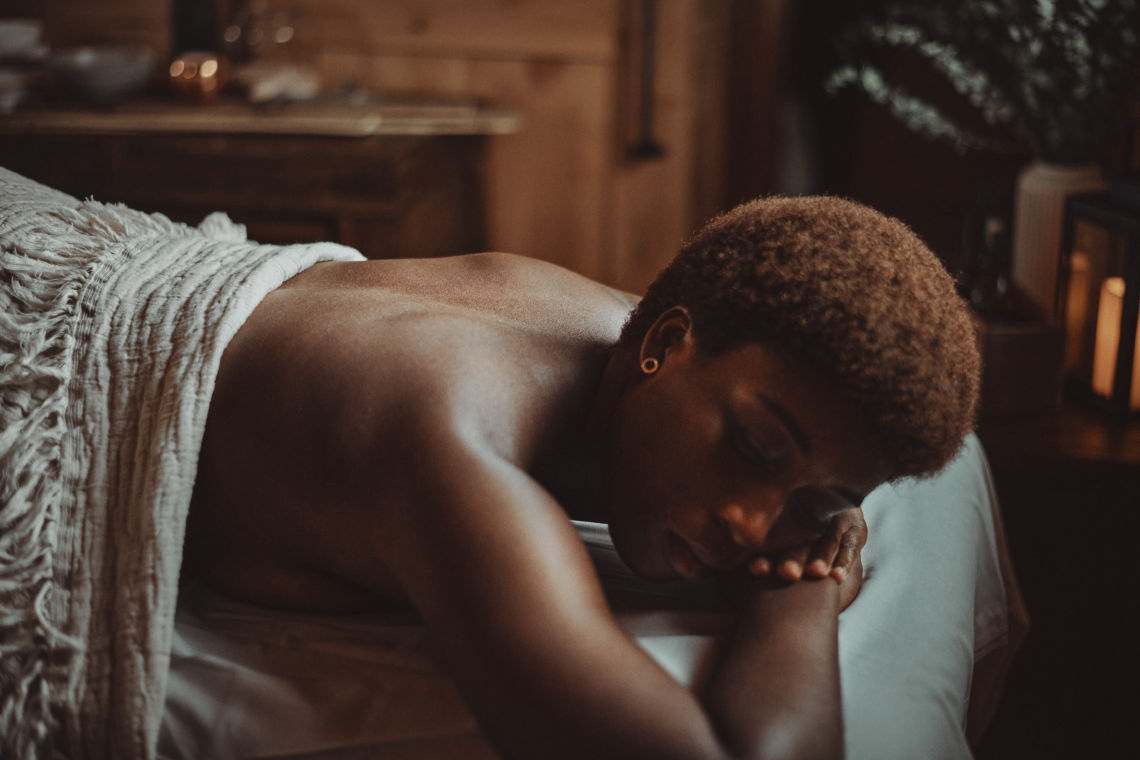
<point>329,119</point>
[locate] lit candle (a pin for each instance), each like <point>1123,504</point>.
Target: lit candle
<point>1076,308</point>
<point>1108,341</point>
<point>199,75</point>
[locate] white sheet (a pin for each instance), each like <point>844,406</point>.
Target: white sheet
<point>249,683</point>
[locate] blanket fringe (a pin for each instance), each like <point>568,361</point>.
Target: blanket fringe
<point>45,259</point>
<point>37,300</point>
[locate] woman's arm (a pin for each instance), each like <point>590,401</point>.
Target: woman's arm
<point>521,624</point>
<point>775,690</point>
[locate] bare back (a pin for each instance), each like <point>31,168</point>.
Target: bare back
<point>342,378</point>
<point>415,433</point>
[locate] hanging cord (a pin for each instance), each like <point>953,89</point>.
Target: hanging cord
<point>646,146</point>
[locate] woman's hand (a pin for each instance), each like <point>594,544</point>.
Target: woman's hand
<point>835,554</point>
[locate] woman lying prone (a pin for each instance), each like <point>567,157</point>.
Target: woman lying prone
<point>421,432</point>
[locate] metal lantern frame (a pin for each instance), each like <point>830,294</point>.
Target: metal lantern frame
<point>1122,221</point>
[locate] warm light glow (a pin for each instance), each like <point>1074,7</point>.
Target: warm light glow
<point>176,67</point>
<point>1076,308</point>
<point>1108,341</point>
<point>209,67</point>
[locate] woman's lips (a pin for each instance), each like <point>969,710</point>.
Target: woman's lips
<point>684,560</point>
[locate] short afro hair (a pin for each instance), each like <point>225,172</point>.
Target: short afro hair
<point>847,290</point>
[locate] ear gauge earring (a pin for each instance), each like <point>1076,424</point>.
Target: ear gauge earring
<point>649,365</point>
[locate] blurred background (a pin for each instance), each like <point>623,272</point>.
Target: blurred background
<point>597,134</point>
<point>634,121</point>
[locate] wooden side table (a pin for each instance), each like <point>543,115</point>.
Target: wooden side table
<point>398,180</point>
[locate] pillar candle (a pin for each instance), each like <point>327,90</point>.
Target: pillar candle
<point>1108,341</point>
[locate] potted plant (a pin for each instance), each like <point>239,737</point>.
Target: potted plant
<point>1049,77</point>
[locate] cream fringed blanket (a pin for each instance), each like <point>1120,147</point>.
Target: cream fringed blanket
<point>112,323</point>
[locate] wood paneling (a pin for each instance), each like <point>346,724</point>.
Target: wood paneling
<point>545,186</point>
<point>659,201</point>
<point>564,187</point>
<point>758,42</point>
<point>78,22</point>
<point>581,31</point>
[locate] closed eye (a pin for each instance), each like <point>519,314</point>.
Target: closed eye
<point>753,456</point>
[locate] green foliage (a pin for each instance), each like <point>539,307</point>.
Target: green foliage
<point>1054,74</point>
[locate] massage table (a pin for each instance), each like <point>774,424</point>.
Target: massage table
<point>112,324</point>
<point>937,615</point>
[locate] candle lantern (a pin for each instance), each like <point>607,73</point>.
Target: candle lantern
<point>1098,300</point>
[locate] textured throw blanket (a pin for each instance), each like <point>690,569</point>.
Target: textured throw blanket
<point>112,324</point>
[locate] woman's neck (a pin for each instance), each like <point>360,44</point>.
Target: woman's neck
<point>574,467</point>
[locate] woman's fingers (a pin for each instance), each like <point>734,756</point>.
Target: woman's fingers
<point>791,567</point>
<point>833,554</point>
<point>850,544</point>
<point>848,553</point>
<point>760,566</point>
<point>823,553</point>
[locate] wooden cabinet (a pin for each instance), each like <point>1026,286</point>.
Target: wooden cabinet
<point>290,175</point>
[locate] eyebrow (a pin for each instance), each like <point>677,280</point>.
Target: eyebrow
<point>780,412</point>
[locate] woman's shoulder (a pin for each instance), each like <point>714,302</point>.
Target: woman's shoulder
<point>534,273</point>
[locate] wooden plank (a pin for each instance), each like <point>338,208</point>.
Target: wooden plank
<point>234,117</point>
<point>655,198</point>
<point>581,30</point>
<point>546,186</point>
<point>757,40</point>
<point>713,99</point>
<point>82,22</point>
<point>549,187</point>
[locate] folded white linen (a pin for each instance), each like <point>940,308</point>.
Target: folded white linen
<point>252,683</point>
<point>112,324</point>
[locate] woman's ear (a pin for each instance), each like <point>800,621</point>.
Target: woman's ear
<point>670,333</point>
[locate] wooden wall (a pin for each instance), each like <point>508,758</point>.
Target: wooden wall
<point>563,188</point>
<point>78,22</point>
<point>546,185</point>
<point>566,187</point>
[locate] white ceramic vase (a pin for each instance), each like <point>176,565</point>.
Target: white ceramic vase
<point>1039,208</point>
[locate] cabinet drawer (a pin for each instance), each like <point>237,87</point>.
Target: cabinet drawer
<point>372,193</point>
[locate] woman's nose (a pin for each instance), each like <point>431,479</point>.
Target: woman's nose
<point>748,527</point>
